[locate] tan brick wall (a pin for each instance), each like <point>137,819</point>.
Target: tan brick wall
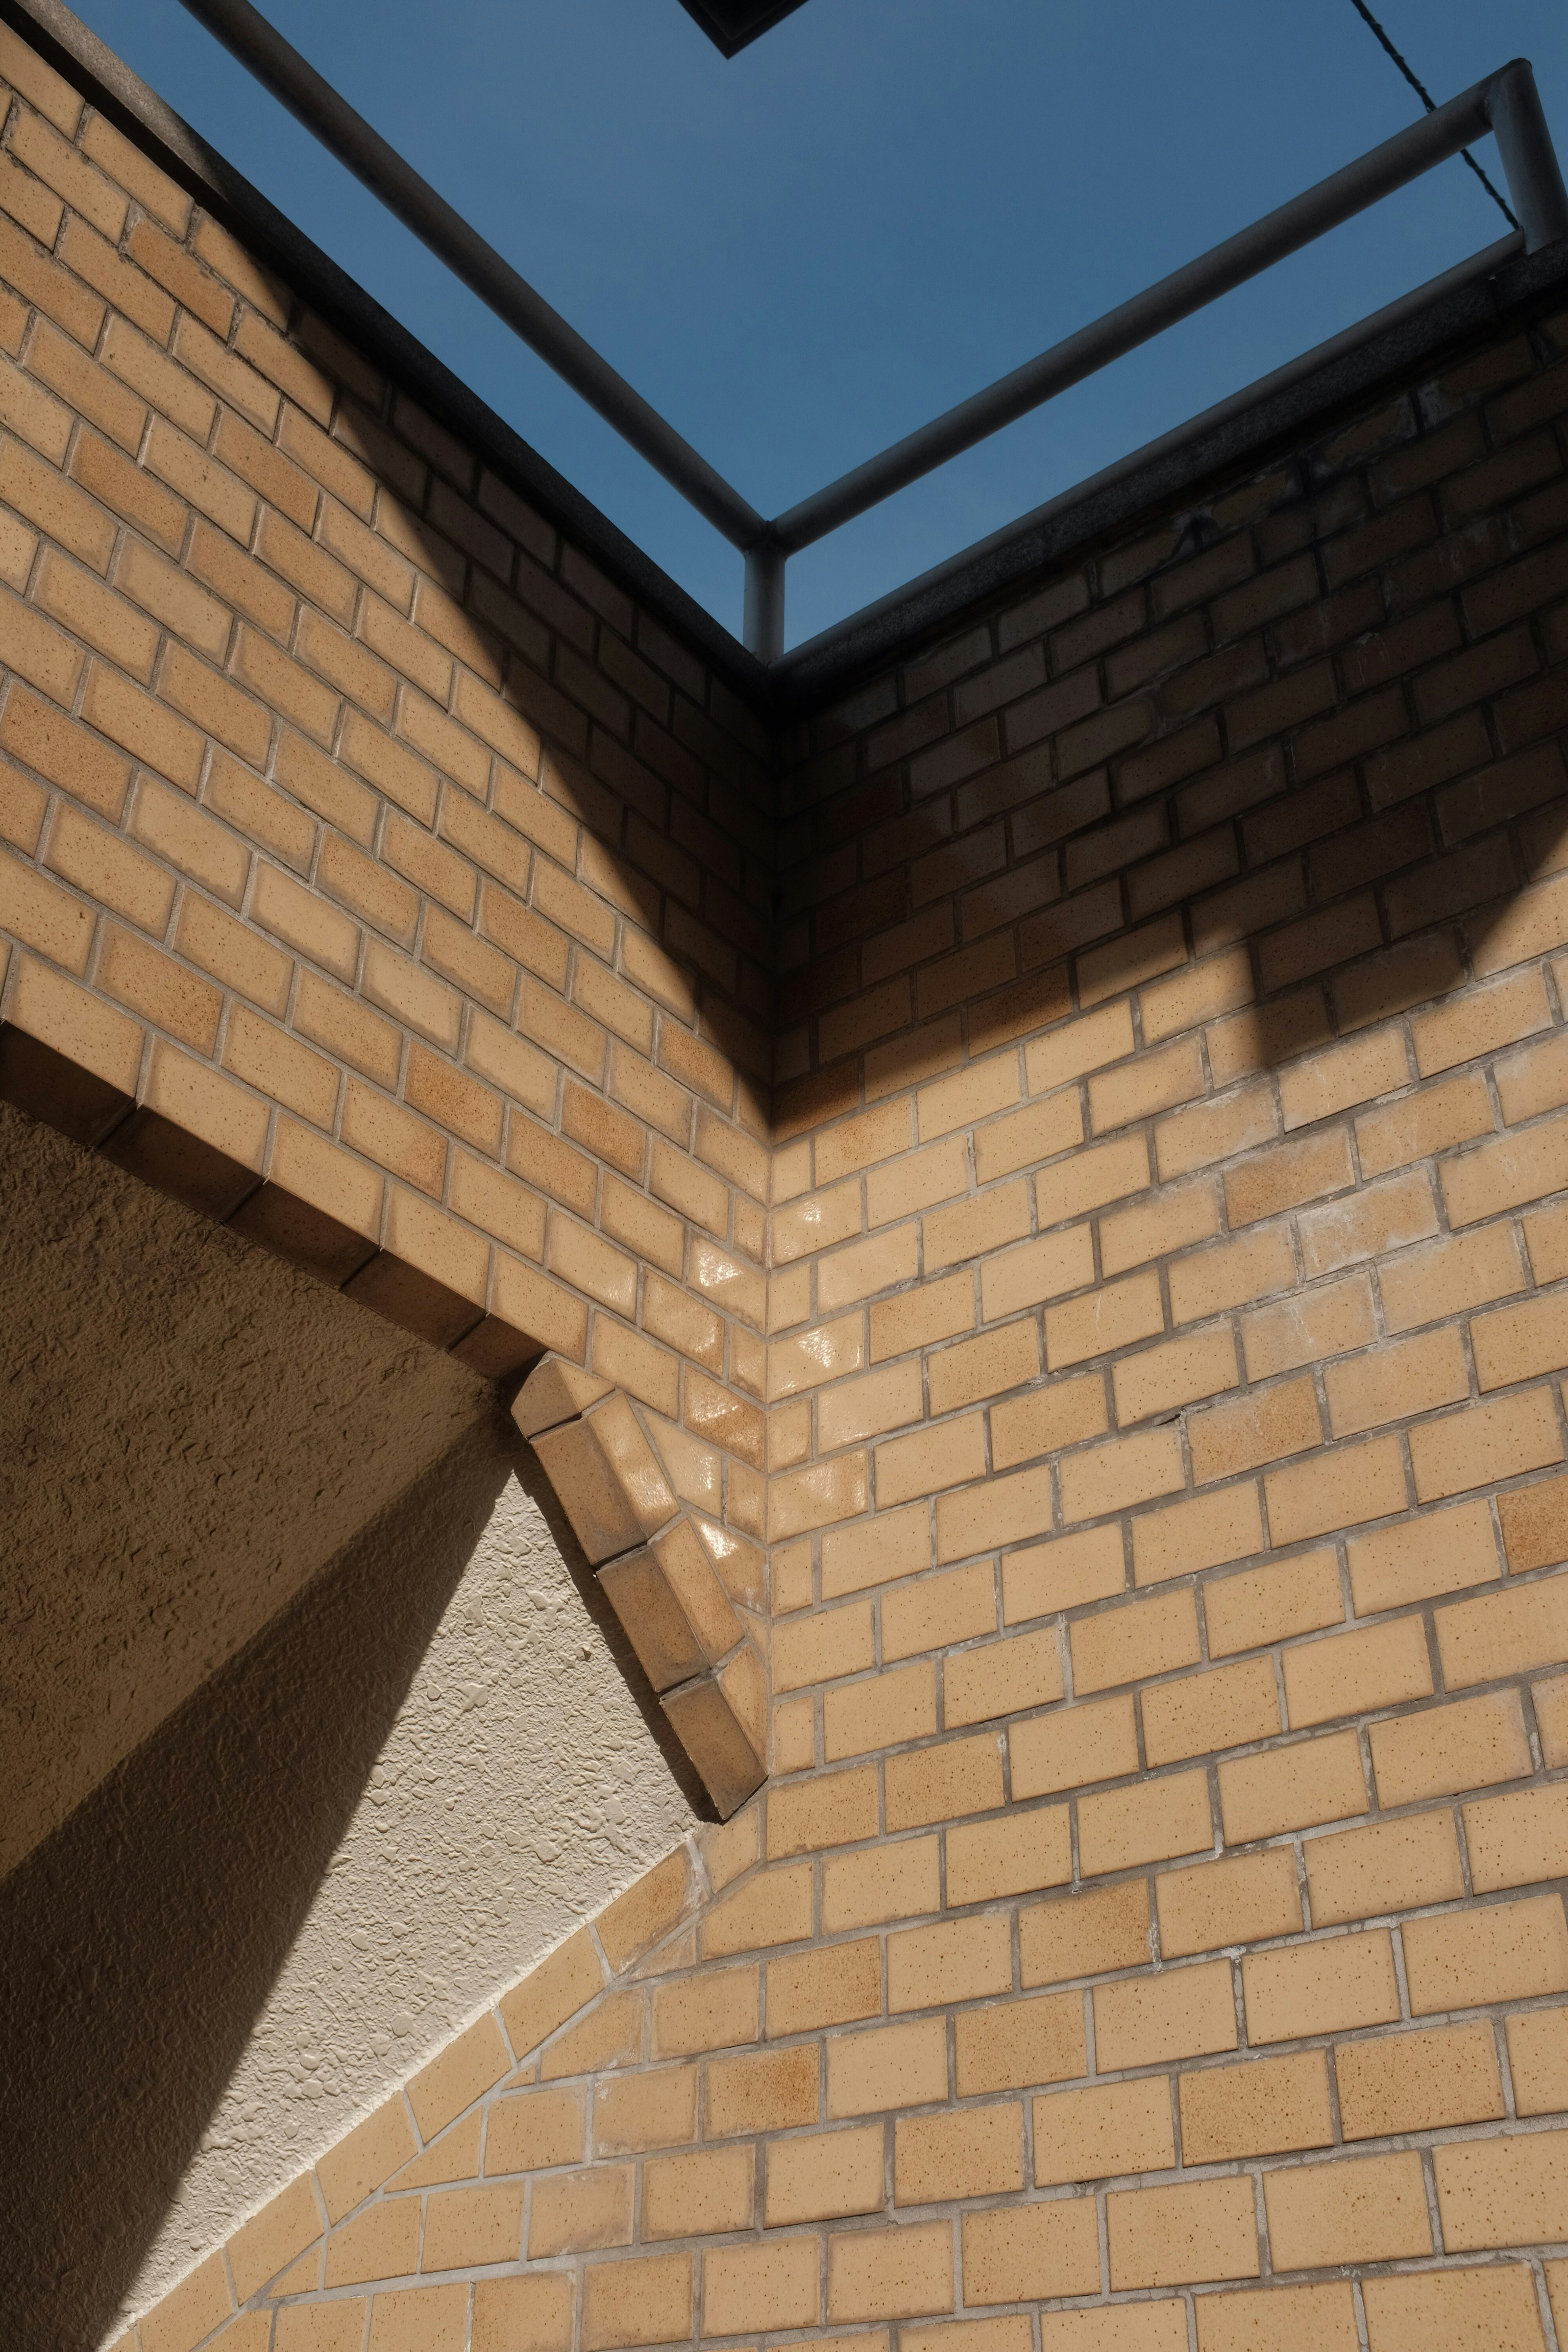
<point>358,830</point>
<point>373,873</point>
<point>1154,1916</point>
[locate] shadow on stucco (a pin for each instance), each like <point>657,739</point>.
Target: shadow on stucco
<point>139,1943</point>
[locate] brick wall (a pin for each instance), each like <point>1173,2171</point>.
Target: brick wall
<point>1151,1933</point>
<point>373,873</point>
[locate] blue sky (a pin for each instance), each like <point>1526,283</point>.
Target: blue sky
<point>882,204</point>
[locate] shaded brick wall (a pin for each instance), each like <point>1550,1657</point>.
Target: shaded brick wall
<point>1152,1932</point>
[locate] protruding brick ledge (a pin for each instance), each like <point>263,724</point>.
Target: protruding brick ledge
<point>674,1591</point>
<point>73,1062</point>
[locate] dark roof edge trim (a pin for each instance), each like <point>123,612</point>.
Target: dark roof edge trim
<point>89,64</point>
<point>1240,430</point>
<point>734,25</point>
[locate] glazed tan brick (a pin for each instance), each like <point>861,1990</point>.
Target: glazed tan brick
<point>1188,2013</point>
<point>1172,1219</point>
<point>831,1987</point>
<point>1329,1987</point>
<point>1207,1281</point>
<point>1498,1175</point>
<point>1271,1603</point>
<point>1418,2081</point>
<point>1496,2305</point>
<point>1160,1379</point>
<point>1274,2318</point>
<point>816,1648</point>
<point>891,2273</point>
<point>1345,1674</point>
<point>1504,1951</point>
<point>823,2177</point>
<point>1388,1866</point>
<point>1001,1678</point>
<point>893,2066</point>
<point>775,2284</point>
<point>864,1716</point>
<point>1156,1821</point>
<point>1483,1444</point>
<point>771,2092</point>
<point>1104,2133</point>
<point>961,1959</point>
<point>1164,2237</point>
<point>1143,1637</point>
<point>647,2300</point>
<point>1025,2252</point>
<point>1199,1713</point>
<point>1466,1271</point>
<point>1467,1745</point>
<point>975,2151</point>
<point>1538,2060</point>
<point>1067,1750</point>
<point>1414,1376</point>
<point>1505,1633</point>
<point>1438,1551</point>
<point>774,1906</point>
<point>1506,2192</point>
<point>1013,2045</point>
<point>1014,1855</point>
<point>697,2195</point>
<point>940,1610</point>
<point>1127,1471</point>
<point>643,2111</point>
<point>1517,1343</point>
<point>1513,1840</point>
<point>942,1782</point>
<point>1087,1934</point>
<point>1261,2108</point>
<point>1343,1488</point>
<point>1230,1902</point>
<point>1370,2208</point>
<point>1196,1534</point>
<point>1060,1575</point>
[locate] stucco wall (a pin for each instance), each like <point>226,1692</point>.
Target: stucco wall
<point>287,1571</point>
<point>189,1430</point>
<point>518,1792</point>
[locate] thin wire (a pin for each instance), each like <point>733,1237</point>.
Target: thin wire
<point>1430,103</point>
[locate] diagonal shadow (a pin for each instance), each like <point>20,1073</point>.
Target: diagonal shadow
<point>138,1944</point>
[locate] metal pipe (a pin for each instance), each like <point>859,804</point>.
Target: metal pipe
<point>806,655</point>
<point>1506,103</point>
<point>1524,142</point>
<point>765,610</point>
<point>348,136</point>
<point>1334,200</point>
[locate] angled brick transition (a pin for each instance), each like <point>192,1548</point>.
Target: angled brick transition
<point>1021,1203</point>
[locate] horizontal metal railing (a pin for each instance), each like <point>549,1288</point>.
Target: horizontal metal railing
<point>1506,104</point>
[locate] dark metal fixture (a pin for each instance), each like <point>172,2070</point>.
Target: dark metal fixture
<point>733,24</point>
<point>1505,103</point>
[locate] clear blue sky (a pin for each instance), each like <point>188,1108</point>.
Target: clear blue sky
<point>882,206</point>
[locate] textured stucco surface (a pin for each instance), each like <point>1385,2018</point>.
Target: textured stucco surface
<point>189,1431</point>
<point>518,1792</point>
<point>319,1736</point>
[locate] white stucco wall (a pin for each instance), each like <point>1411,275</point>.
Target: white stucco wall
<point>518,1793</point>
